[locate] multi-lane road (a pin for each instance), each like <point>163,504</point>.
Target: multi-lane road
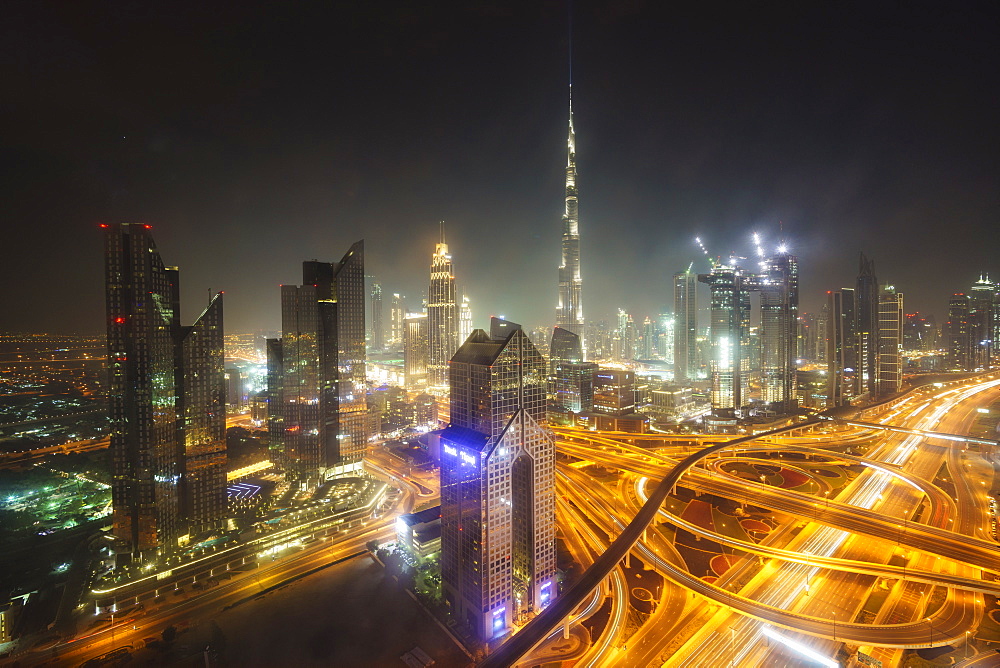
<point>899,557</point>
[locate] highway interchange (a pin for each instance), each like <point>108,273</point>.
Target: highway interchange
<point>798,596</point>
<point>912,527</point>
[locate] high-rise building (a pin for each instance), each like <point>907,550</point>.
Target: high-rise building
<point>397,312</point>
<point>919,332</point>
<point>378,330</point>
<point>323,405</point>
<point>624,342</point>
<point>166,398</point>
<point>822,353</point>
<point>442,316</point>
<point>842,349</point>
<point>890,332</point>
<point>464,320</point>
<point>729,333</point>
<point>615,391</point>
<point>685,325</point>
<point>982,322</point>
<point>648,339</point>
<point>201,407</point>
<point>569,312</point>
<point>498,530</point>
<point>566,345</point>
<point>866,300</point>
<point>571,380</point>
<point>779,305</point>
<point>416,351</point>
<point>275,398</point>
<point>665,345</point>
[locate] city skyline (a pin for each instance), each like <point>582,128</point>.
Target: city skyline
<point>719,127</point>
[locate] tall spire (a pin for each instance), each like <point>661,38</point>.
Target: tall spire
<point>569,311</point>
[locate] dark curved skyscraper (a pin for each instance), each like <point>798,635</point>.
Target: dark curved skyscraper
<point>167,401</point>
<point>323,409</point>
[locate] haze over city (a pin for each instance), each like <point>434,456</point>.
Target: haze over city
<point>255,136</point>
<point>590,335</point>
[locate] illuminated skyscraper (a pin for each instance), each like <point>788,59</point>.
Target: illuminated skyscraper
<point>415,351</point>
<point>571,380</point>
<point>498,531</point>
<point>822,354</point>
<point>890,332</point>
<point>442,316</point>
<point>729,332</point>
<point>842,349</point>
<point>464,320</point>
<point>685,325</point>
<point>323,406</point>
<point>167,401</point>
<point>378,329</point>
<point>569,312</point>
<point>866,299</point>
<point>982,322</point>
<point>397,312</point>
<point>779,307</point>
<point>648,339</point>
<point>665,342</point>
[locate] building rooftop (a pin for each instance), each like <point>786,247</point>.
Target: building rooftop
<point>422,517</point>
<point>468,438</point>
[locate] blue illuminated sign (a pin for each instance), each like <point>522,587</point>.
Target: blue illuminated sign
<point>498,619</point>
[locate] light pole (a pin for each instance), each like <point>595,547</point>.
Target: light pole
<point>931,627</point>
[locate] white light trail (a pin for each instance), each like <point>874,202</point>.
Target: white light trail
<point>800,648</point>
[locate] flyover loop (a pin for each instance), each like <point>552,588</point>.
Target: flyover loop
<point>542,625</point>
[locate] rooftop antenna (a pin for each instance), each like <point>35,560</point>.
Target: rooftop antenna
<point>569,20</point>
<point>441,230</point>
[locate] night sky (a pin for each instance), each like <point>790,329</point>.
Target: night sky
<point>255,136</point>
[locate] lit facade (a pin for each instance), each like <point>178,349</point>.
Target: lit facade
<point>498,540</point>
<point>729,333</point>
<point>615,391</point>
<point>442,316</point>
<point>378,324</point>
<point>464,319</point>
<point>778,283</point>
<point>416,351</point>
<point>982,322</point>
<point>890,354</point>
<point>397,312</point>
<point>569,311</point>
<point>685,325</point>
<point>866,297</point>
